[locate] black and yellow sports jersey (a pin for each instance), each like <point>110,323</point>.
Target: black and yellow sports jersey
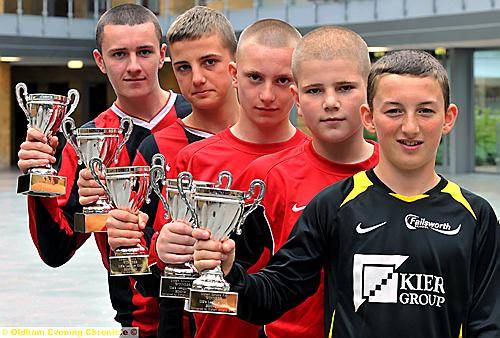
<point>395,266</point>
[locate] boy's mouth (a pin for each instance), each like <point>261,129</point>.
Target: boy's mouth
<point>411,143</point>
<point>332,119</point>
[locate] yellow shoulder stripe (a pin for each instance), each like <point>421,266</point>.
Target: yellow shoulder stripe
<point>460,336</point>
<point>454,190</point>
<point>331,325</point>
<point>408,198</point>
<point>361,183</point>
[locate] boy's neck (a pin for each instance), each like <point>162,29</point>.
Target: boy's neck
<point>352,150</point>
<point>144,108</point>
<point>407,182</point>
<point>216,120</point>
<point>251,132</point>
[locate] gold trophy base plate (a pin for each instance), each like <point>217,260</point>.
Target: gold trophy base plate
<point>176,287</point>
<point>90,222</point>
<point>41,185</point>
<point>215,302</point>
<point>129,265</point>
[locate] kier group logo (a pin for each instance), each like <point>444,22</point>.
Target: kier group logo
<point>376,280</point>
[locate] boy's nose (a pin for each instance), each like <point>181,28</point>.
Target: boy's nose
<point>198,78</point>
<point>267,94</point>
<point>331,102</point>
<point>410,125</point>
<point>134,67</point>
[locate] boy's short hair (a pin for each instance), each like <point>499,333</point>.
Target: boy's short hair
<point>409,62</point>
<point>272,33</point>
<point>332,42</point>
<point>201,21</point>
<point>127,14</point>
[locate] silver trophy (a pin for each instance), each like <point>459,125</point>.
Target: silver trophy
<point>127,188</point>
<point>44,112</point>
<point>222,211</point>
<point>103,143</point>
<point>178,203</point>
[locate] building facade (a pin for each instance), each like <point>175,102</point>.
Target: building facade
<point>39,38</point>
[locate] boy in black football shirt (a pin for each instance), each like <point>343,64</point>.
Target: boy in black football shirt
<point>406,253</point>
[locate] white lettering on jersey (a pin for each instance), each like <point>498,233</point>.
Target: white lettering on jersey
<point>414,222</point>
<point>375,281</point>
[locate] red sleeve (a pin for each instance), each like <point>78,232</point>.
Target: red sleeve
<point>51,219</point>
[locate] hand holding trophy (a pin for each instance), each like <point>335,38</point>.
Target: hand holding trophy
<point>127,188</point>
<point>221,211</point>
<point>178,201</point>
<point>102,143</point>
<point>44,112</point>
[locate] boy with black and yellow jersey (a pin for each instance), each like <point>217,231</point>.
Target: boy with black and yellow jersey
<point>406,253</point>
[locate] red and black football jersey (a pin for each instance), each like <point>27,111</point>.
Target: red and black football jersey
<point>51,219</point>
<point>205,160</point>
<point>168,142</point>
<point>292,177</point>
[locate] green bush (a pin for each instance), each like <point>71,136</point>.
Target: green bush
<point>486,120</point>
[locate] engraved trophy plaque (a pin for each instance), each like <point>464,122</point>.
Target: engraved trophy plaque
<point>222,211</point>
<point>44,112</point>
<point>178,278</point>
<point>127,188</point>
<point>103,143</point>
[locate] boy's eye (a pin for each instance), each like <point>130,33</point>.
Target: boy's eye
<point>313,91</point>
<point>183,68</point>
<point>210,62</point>
<point>426,111</point>
<point>145,52</point>
<point>118,54</point>
<point>284,81</point>
<point>345,88</point>
<point>394,112</point>
<point>254,77</point>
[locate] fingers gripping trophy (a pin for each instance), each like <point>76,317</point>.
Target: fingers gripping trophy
<point>105,144</point>
<point>222,211</point>
<point>179,194</point>
<point>44,112</point>
<point>127,188</point>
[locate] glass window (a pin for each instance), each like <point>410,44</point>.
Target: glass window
<point>487,110</point>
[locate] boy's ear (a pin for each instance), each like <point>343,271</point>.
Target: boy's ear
<point>450,116</point>
<point>233,72</point>
<point>295,93</point>
<point>163,54</point>
<point>99,60</point>
<point>367,118</point>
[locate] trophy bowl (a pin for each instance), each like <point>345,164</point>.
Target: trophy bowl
<point>103,143</point>
<point>178,278</point>
<point>44,112</point>
<point>127,189</point>
<point>221,211</point>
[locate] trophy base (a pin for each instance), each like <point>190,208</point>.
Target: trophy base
<point>176,286</point>
<point>129,265</point>
<point>87,223</point>
<point>215,302</point>
<point>41,185</point>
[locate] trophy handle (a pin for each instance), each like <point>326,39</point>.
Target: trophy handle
<point>72,93</point>
<point>68,128</point>
<point>224,174</point>
<point>158,174</point>
<point>92,165</point>
<point>129,126</point>
<point>21,87</point>
<point>181,177</point>
<point>262,189</point>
